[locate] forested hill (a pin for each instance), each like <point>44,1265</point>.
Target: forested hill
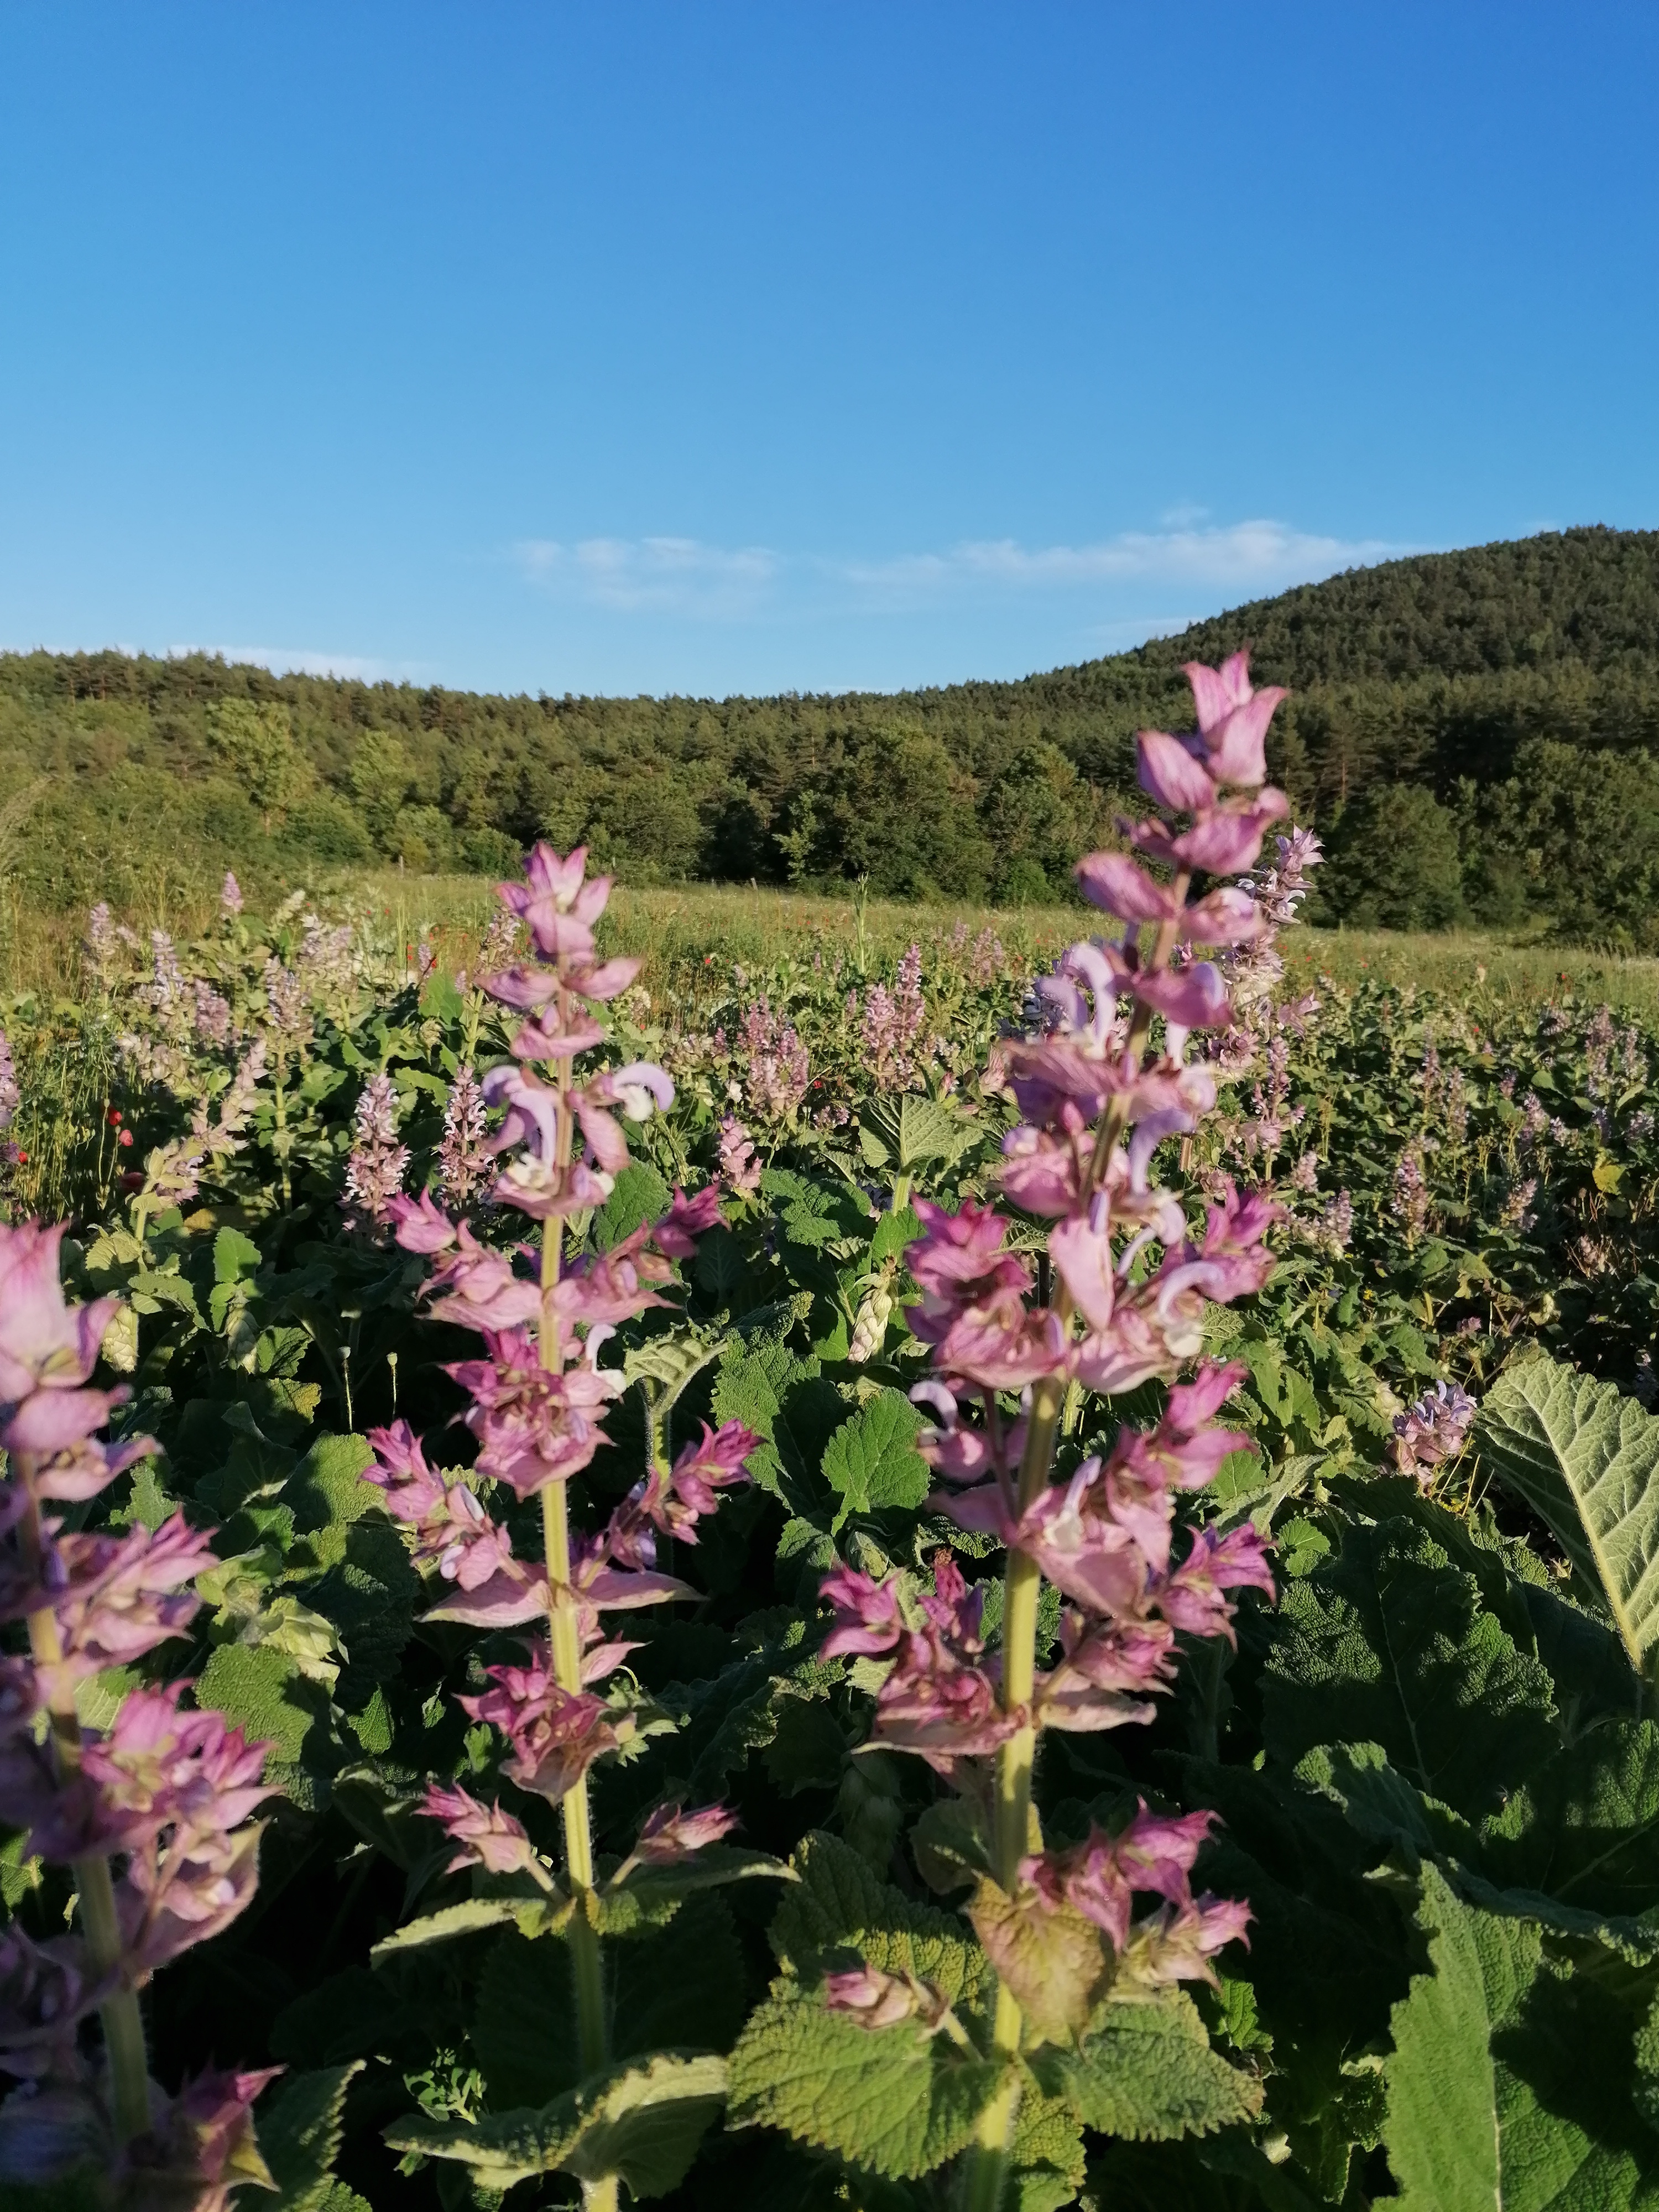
<point>1447,697</point>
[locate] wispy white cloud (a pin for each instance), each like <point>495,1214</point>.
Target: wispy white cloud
<point>304,660</point>
<point>687,577</point>
<point>1237,557</point>
<point>660,575</point>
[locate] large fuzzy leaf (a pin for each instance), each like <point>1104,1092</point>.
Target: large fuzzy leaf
<point>1585,1830</point>
<point>840,1903</point>
<point>642,2123</point>
<point>896,2099</point>
<point>1387,1643</point>
<point>1586,1459</point>
<point>1512,2084</point>
<point>1148,2072</point>
<point>871,1460</point>
<point>300,2136</point>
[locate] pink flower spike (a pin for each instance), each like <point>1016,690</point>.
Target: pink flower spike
<point>489,1836</point>
<point>1227,917</point>
<point>1157,1851</point>
<point>57,1420</point>
<point>716,1461</point>
<point>524,989</point>
<point>422,1227</point>
<point>43,1342</point>
<point>607,980</point>
<point>671,1834</point>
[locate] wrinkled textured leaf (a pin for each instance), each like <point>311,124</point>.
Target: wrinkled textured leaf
<point>871,1460</point>
<point>264,1692</point>
<point>1146,2071</point>
<point>895,2100</point>
<point>1586,1459</point>
<point>840,1903</point>
<point>1387,1643</point>
<point>1585,1830</point>
<point>465,1919</point>
<point>1511,2085</point>
<point>1382,1804</point>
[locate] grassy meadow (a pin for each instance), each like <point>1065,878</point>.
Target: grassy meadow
<point>676,928</point>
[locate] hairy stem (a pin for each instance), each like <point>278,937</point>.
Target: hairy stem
<point>587,1964</point>
<point>123,2023</point>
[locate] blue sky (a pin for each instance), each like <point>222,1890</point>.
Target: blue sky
<point>714,348</point>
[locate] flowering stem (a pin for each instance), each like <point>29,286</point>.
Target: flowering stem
<point>586,1965</point>
<point>987,2171</point>
<point>123,2023</point>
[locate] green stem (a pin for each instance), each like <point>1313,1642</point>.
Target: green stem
<point>587,1966</point>
<point>123,2023</point>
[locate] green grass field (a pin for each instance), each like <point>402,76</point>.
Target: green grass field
<point>682,925</point>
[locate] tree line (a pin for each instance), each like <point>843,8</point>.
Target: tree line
<point>1476,734</point>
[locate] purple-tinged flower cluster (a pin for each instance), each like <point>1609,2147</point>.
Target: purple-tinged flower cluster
<point>538,1395</point>
<point>740,1168</point>
<point>1131,1280</point>
<point>463,1157</point>
<point>154,1814</point>
<point>1411,1192</point>
<point>891,1029</point>
<point>1435,1429</point>
<point>1101,1877</point>
<point>377,1164</point>
<point>776,1072</point>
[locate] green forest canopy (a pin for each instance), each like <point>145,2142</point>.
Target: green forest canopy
<point>1441,714</point>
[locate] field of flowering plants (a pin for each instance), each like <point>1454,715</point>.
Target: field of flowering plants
<point>966,1579</point>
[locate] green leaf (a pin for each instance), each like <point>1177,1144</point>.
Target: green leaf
<point>841,1904</point>
<point>1050,2160</point>
<point>1512,2085</point>
<point>784,1398</point>
<point>263,1692</point>
<point>641,2123</point>
<point>234,1256</point>
<point>1387,1643</point>
<point>1585,1830</point>
<point>808,1751</point>
<point>871,1460</point>
<point>640,1194</point>
<point>912,1129</point>
<point>1382,1804</point>
<point>896,2099</point>
<point>1586,1459</point>
<point>1148,2072</point>
<point>894,1233</point>
<point>300,2136</point>
<point>465,1919</point>
<point>326,1489</point>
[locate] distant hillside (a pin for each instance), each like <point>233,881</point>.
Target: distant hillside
<point>1436,675</point>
